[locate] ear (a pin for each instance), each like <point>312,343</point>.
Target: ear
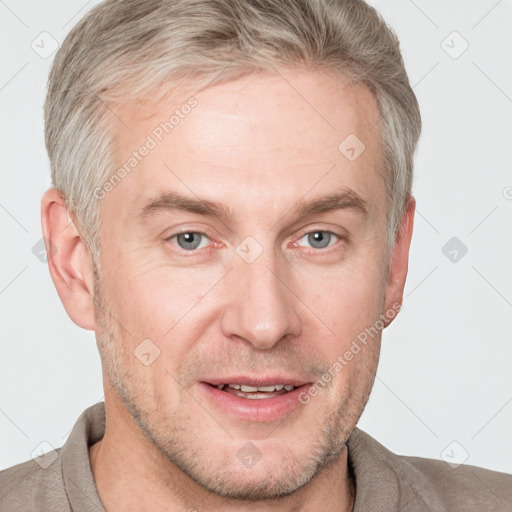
<point>69,260</point>
<point>399,260</point>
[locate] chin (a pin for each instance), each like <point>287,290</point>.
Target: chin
<point>267,482</point>
<point>247,474</point>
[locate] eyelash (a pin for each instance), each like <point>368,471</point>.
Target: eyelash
<point>191,252</point>
<point>326,250</point>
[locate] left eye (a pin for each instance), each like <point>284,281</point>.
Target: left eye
<point>190,240</point>
<point>320,239</point>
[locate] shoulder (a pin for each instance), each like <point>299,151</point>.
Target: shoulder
<point>61,479</point>
<point>416,483</point>
<point>34,485</point>
<point>462,487</point>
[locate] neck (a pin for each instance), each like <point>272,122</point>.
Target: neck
<point>132,474</point>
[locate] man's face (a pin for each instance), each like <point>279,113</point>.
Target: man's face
<point>262,291</point>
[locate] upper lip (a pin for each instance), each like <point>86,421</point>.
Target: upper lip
<point>259,380</point>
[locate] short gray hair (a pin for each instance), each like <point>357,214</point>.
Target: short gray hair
<point>128,50</point>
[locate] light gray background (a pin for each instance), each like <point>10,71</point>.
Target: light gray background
<point>444,383</point>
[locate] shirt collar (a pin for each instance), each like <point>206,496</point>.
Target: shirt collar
<point>378,473</point>
<point>76,465</point>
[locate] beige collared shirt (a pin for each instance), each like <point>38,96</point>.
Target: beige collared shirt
<point>63,480</point>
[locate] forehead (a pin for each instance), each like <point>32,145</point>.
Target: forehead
<point>269,136</point>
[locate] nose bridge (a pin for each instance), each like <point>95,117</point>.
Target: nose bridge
<point>261,309</point>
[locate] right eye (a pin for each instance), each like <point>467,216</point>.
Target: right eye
<point>189,240</point>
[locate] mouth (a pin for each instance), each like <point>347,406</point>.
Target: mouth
<point>256,392</point>
<point>255,399</point>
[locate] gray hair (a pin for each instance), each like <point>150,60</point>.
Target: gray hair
<point>131,50</point>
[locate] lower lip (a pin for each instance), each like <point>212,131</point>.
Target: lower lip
<point>259,410</point>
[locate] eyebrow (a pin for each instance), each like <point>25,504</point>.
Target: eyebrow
<point>171,201</point>
<point>346,199</point>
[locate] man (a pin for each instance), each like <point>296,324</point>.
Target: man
<point>232,214</point>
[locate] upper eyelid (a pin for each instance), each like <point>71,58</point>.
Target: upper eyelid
<point>338,237</point>
<point>296,239</point>
<point>308,232</point>
<point>303,234</point>
<point>181,232</point>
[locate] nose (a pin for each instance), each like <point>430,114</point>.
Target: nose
<point>262,307</point>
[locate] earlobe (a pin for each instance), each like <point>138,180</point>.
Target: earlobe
<point>399,261</point>
<point>69,260</point>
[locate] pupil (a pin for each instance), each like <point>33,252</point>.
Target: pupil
<point>319,239</point>
<point>188,240</point>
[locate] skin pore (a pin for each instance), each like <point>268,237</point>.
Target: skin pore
<point>287,266</point>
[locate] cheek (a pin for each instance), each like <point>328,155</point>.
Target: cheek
<point>347,300</point>
<point>151,298</point>
<point>349,304</point>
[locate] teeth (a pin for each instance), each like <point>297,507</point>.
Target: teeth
<point>247,389</point>
<point>256,396</point>
<point>263,389</point>
<point>266,388</point>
